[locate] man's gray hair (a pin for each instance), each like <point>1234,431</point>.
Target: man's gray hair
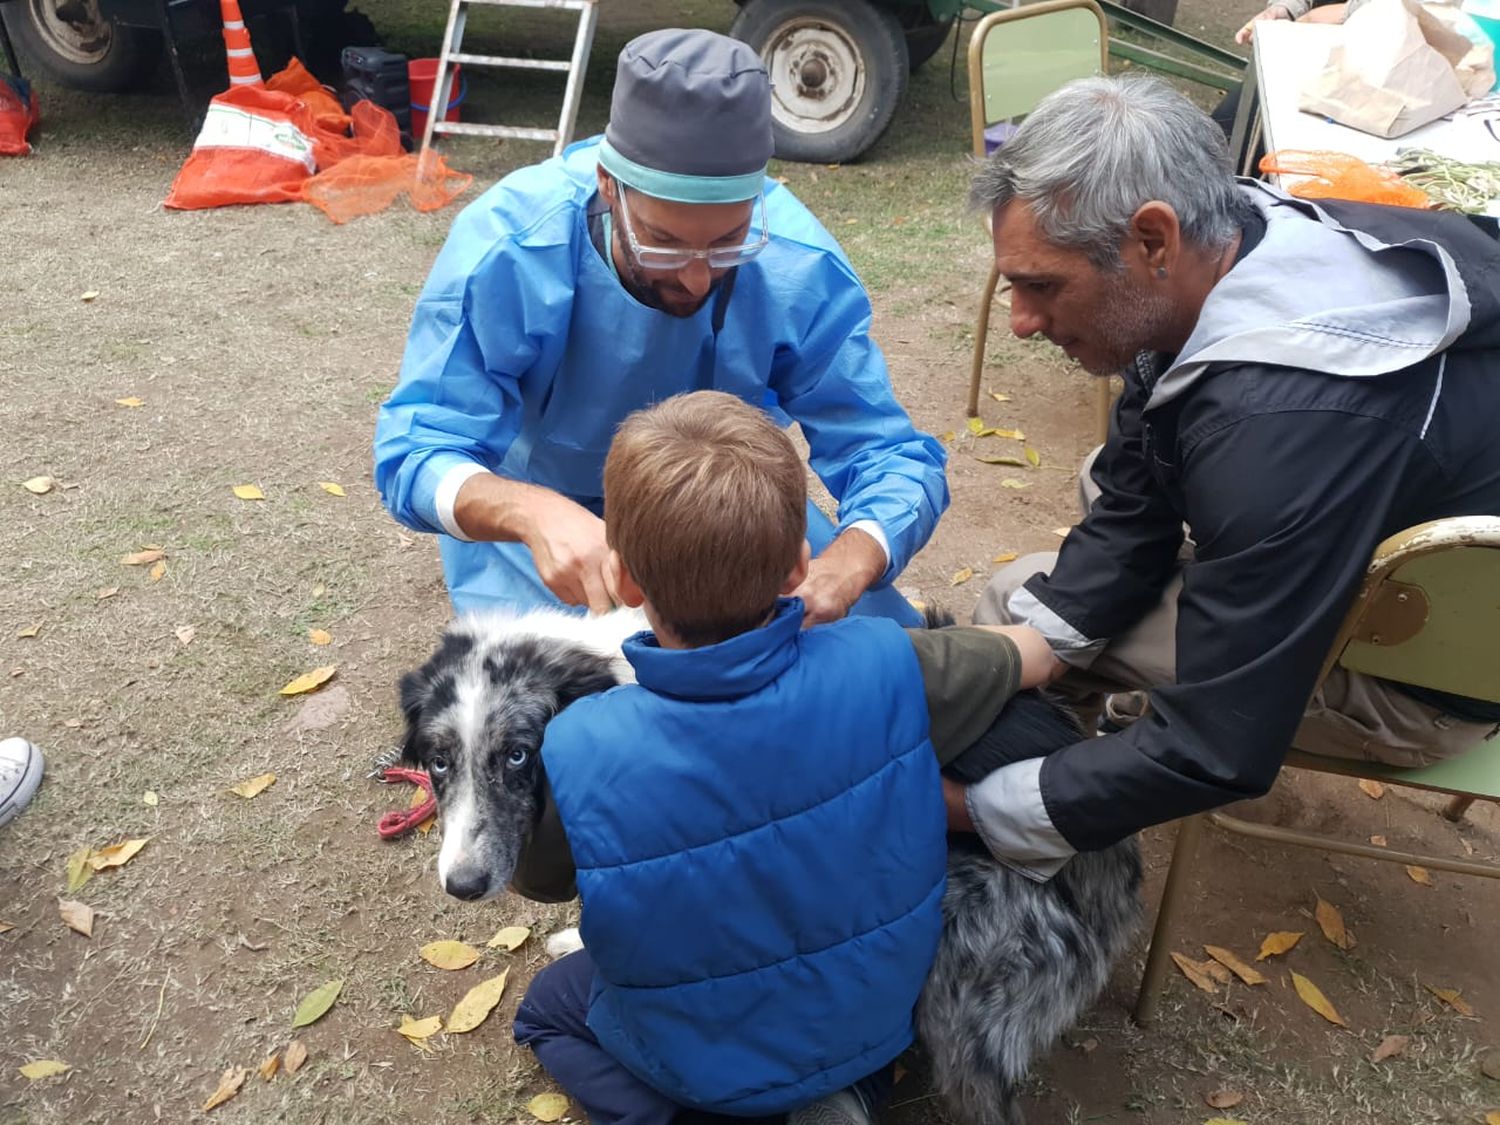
<point>1094,151</point>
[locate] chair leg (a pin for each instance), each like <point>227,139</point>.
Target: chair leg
<point>1157,958</point>
<point>1456,808</point>
<point>981,334</point>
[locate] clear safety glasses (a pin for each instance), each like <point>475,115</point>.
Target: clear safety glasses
<point>718,257</point>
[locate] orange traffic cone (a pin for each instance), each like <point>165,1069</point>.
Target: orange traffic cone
<point>243,69</point>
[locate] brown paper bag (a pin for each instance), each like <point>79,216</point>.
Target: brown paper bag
<point>1392,72</point>
<point>1476,70</point>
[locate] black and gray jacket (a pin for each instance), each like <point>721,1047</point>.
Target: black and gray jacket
<point>1342,383</point>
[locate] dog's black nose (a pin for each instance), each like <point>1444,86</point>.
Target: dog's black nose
<point>467,883</point>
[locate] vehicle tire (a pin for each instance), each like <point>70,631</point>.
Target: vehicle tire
<point>838,70</point>
<point>75,45</point>
<point>925,39</point>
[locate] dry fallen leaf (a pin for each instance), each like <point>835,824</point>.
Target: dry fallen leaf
<point>1033,457</point>
<point>419,797</point>
<point>1490,1068</point>
<point>1492,1117</point>
<point>150,798</point>
<point>1390,1047</point>
<point>1451,997</point>
<point>158,571</point>
<point>255,786</point>
<point>1000,459</point>
<point>947,437</point>
<point>1005,557</point>
<point>78,916</point>
<point>477,1004</point>
<point>961,576</point>
<point>79,871</point>
<point>107,592</point>
<point>1225,1121</point>
<point>999,397</point>
<point>1216,971</point>
<point>44,1068</point>
<point>89,295</point>
<point>1061,532</point>
<point>143,558</point>
<point>1313,997</point>
<point>331,487</point>
<point>6,927</point>
<point>1223,1099</point>
<point>509,937</point>
<point>320,636</point>
<point>132,402</point>
<point>1196,972</point>
<point>1419,874</point>
<point>29,632</point>
<point>1331,922</point>
<point>316,1003</point>
<point>416,1030</point>
<point>1378,841</point>
<point>310,681</point>
<point>449,955</point>
<point>249,492</point>
<point>1014,435</point>
<point>1372,789</point>
<point>269,1068</point>
<point>117,855</point>
<point>296,1055</point>
<point>1012,482</point>
<point>977,426</point>
<point>1237,967</point>
<point>229,1085</point>
<point>39,485</point>
<point>1278,943</point>
<point>185,634</point>
<point>547,1107</point>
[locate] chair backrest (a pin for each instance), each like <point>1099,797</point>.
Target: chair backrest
<point>1429,610</point>
<point>1019,56</point>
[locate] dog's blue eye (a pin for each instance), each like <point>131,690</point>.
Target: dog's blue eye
<point>437,764</point>
<point>517,759</point>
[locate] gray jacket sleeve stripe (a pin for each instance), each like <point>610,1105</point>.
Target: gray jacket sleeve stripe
<point>1011,819</point>
<point>1068,643</point>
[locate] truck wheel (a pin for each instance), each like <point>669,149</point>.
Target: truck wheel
<point>838,70</point>
<point>74,44</point>
<point>925,39</point>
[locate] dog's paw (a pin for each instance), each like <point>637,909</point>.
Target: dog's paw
<point>564,942</point>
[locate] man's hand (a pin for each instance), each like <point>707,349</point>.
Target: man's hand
<point>567,545</point>
<point>566,539</point>
<point>1247,33</point>
<point>838,577</point>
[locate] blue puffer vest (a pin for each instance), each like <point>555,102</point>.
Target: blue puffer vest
<point>758,829</point>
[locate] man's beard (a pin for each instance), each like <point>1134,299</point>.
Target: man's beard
<point>1129,318</point>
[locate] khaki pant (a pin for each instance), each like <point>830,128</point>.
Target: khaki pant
<point>1350,716</point>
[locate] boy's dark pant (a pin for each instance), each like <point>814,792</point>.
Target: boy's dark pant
<point>553,1021</point>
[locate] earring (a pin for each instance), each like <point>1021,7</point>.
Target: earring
<point>1161,272</point>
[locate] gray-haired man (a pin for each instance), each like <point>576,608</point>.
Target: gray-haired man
<point>1300,383</point>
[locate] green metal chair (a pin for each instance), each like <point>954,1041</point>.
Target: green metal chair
<point>1016,58</point>
<point>1427,614</point>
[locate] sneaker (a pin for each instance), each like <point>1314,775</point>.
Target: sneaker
<point>843,1108</point>
<point>1121,709</point>
<point>20,774</point>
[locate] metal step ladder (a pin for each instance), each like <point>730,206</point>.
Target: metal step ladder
<point>452,52</point>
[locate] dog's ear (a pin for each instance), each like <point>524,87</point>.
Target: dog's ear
<point>414,693</point>
<point>585,682</point>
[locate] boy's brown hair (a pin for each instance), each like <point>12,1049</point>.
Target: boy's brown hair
<point>705,499</point>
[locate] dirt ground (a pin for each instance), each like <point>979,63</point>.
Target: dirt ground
<point>259,343</point>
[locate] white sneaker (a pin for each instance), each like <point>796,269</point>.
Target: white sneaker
<point>20,774</point>
<point>843,1108</point>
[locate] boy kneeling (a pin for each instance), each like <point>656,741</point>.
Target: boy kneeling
<point>757,825</point>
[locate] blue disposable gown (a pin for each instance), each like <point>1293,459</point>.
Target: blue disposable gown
<point>525,353</point>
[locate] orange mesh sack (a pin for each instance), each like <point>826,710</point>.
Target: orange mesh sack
<point>253,148</point>
<point>364,185</point>
<point>18,113</point>
<point>1336,175</point>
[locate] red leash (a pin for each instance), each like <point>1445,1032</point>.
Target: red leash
<point>398,822</point>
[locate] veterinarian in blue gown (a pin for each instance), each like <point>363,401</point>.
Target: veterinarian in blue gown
<point>655,260</point>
